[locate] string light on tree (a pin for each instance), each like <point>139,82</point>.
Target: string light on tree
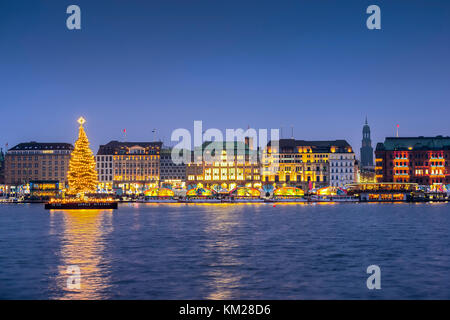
<point>82,175</point>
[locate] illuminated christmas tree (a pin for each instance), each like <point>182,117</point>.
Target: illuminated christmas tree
<point>82,174</point>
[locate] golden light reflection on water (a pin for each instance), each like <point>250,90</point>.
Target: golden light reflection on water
<point>223,279</point>
<point>82,245</point>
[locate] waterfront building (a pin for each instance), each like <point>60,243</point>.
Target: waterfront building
<point>342,166</point>
<point>308,164</point>
<point>366,149</point>
<point>236,165</point>
<point>128,167</point>
<point>170,172</point>
<point>37,162</point>
<point>422,160</point>
<point>2,169</point>
<point>105,171</point>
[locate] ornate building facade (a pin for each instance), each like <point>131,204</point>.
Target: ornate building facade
<point>308,164</point>
<point>343,167</point>
<point>224,164</point>
<point>422,160</point>
<point>128,167</point>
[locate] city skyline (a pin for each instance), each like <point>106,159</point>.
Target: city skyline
<point>169,144</point>
<point>310,157</point>
<point>163,65</point>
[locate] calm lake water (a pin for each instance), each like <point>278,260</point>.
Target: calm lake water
<point>179,251</point>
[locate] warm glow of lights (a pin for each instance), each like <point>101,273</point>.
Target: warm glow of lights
<point>159,192</point>
<point>289,191</point>
<point>331,191</point>
<point>199,191</point>
<point>82,175</point>
<point>247,192</point>
<point>80,200</point>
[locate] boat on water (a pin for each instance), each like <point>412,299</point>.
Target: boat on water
<point>80,205</point>
<point>344,199</point>
<point>9,200</point>
<point>335,198</point>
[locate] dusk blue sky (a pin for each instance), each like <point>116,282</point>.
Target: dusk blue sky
<point>162,64</point>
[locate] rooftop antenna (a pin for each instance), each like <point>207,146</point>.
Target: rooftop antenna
<point>292,132</point>
<point>366,119</point>
<point>154,134</point>
<point>281,132</point>
<point>125,135</point>
<point>398,126</point>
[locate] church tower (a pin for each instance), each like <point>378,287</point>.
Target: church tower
<point>366,148</point>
